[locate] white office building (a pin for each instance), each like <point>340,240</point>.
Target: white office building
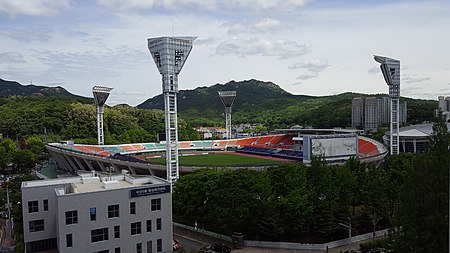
<point>98,213</point>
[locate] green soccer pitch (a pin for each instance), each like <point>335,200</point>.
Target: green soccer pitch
<point>219,160</point>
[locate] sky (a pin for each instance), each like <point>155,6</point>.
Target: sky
<point>308,47</point>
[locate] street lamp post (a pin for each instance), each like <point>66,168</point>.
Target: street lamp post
<point>349,228</point>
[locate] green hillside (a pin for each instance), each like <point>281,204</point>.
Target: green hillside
<point>11,88</point>
<point>268,104</point>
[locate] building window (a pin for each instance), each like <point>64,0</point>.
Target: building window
<point>93,213</point>
<point>132,207</point>
<point>139,247</point>
<point>113,211</point>
<point>71,217</point>
<point>156,204</point>
<point>117,250</point>
<point>159,245</point>
<point>103,251</point>
<point>98,235</point>
<point>45,204</point>
<point>158,224</point>
<point>33,206</point>
<point>69,242</point>
<point>149,225</point>
<point>117,231</point>
<point>149,247</point>
<point>136,228</point>
<point>36,225</point>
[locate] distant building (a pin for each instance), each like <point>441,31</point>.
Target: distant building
<point>212,132</point>
<point>444,106</point>
<point>414,138</point>
<point>357,112</point>
<point>98,213</point>
<point>372,112</point>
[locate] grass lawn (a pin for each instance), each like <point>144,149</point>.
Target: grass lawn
<point>218,160</point>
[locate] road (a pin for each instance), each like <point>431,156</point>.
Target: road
<point>188,244</point>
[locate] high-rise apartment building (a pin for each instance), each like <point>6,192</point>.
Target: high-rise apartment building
<point>357,112</point>
<point>444,106</point>
<point>373,112</point>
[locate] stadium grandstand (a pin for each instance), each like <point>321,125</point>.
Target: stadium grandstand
<point>294,144</point>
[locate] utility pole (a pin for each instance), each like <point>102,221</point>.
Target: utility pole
<point>349,228</point>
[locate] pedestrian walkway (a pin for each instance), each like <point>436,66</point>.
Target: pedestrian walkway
<point>197,237</point>
<point>200,238</point>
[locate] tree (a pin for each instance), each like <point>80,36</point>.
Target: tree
<point>24,160</point>
<point>423,210</point>
<point>37,146</point>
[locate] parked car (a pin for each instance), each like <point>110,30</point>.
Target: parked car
<point>176,245</point>
<point>221,248</point>
<point>215,248</point>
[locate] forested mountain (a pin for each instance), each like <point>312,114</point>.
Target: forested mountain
<point>256,102</point>
<point>11,88</point>
<point>266,103</point>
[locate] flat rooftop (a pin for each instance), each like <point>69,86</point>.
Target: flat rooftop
<point>92,182</point>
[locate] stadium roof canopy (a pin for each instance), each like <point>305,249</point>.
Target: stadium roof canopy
<point>417,131</point>
<point>318,131</point>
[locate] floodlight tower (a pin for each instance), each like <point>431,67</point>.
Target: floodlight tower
<point>227,98</point>
<point>391,72</point>
<point>100,95</point>
<point>170,54</point>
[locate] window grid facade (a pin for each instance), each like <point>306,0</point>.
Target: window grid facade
<point>33,206</point>
<point>159,245</point>
<point>158,224</point>
<point>45,204</point>
<point>69,241</point>
<point>149,247</point>
<point>98,235</point>
<point>117,231</point>
<point>93,213</point>
<point>113,211</point>
<point>149,226</point>
<point>71,217</point>
<point>36,225</point>
<point>156,204</point>
<point>136,228</point>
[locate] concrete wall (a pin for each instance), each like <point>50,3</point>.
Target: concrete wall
<point>307,246</point>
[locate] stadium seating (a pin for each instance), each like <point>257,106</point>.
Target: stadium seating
<point>366,148</point>
<point>281,145</point>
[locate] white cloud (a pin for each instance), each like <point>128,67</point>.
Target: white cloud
<point>267,25</point>
<point>374,70</point>
<point>11,57</point>
<point>268,4</point>
<point>307,76</point>
<point>314,66</point>
<point>311,68</point>
<point>414,79</point>
<point>256,46</point>
<point>126,5</point>
<point>202,4</point>
<point>34,7</point>
<point>110,62</point>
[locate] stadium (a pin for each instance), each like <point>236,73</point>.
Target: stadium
<point>290,145</point>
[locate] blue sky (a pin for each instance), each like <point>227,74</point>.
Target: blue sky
<point>305,46</point>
